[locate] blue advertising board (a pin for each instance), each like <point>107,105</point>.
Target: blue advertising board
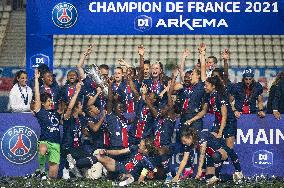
<point>259,144</point>
<point>153,17</point>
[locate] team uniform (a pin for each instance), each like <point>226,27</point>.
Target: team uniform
<point>67,91</point>
<point>215,102</point>
<point>135,164</point>
<point>163,131</point>
<point>245,98</point>
<point>189,102</point>
<point>50,135</point>
<point>143,126</point>
<point>213,157</point>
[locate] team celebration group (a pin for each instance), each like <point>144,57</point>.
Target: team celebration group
<point>123,128</point>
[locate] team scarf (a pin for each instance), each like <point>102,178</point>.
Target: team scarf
<point>188,91</point>
<point>129,99</point>
<point>141,122</point>
<point>124,131</point>
<point>213,107</point>
<point>246,105</point>
<point>157,140</point>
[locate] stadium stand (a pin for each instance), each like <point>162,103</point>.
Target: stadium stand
<point>14,43</point>
<point>252,50</point>
<point>4,20</point>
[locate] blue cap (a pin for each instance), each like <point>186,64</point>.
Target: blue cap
<point>248,73</point>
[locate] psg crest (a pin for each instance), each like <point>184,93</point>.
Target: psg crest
<point>19,144</point>
<point>64,15</point>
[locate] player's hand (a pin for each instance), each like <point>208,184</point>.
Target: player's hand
<point>99,90</point>
<point>144,89</point>
<point>225,54</point>
<point>37,74</point>
<point>188,122</point>
<point>219,135</point>
<point>277,115</point>
<point>88,51</point>
<point>261,114</point>
<point>103,152</point>
<point>237,114</point>
<point>141,50</point>
<point>185,54</point>
<point>202,49</point>
<point>122,62</point>
<point>78,86</point>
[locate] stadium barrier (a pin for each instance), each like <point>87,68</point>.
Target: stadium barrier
<point>259,144</point>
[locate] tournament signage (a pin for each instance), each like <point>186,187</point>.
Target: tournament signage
<point>153,17</point>
<point>259,144</point>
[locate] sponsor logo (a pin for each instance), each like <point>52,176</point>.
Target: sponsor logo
<point>262,159</point>
<point>64,15</point>
<point>19,144</point>
<point>143,23</point>
<point>38,59</point>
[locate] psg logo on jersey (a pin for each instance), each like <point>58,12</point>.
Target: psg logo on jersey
<point>64,15</point>
<point>19,144</point>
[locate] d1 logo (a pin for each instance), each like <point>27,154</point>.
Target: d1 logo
<point>262,159</point>
<point>38,59</point>
<point>143,23</point>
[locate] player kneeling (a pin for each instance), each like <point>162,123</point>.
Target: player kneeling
<point>209,146</point>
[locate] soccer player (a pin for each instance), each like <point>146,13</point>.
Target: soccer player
<point>246,94</point>
<point>68,90</point>
<point>49,120</point>
<point>211,149</point>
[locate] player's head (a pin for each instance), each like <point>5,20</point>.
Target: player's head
<point>118,74</point>
<point>248,76</point>
<point>119,108</point>
<point>219,72</point>
<point>187,78</point>
<point>214,84</point>
<point>189,136</point>
<point>211,63</point>
<point>147,147</point>
<point>147,70</point>
<point>78,107</point>
<point>46,101</point>
<point>72,77</point>
<point>21,78</point>
<point>104,69</point>
<point>93,111</point>
<point>47,78</point>
<point>131,71</point>
<point>156,69</point>
<point>195,76</point>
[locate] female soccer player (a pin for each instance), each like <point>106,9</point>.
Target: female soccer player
<point>211,149</point>
<point>49,120</point>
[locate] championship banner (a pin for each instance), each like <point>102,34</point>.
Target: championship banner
<point>259,144</point>
<point>185,17</point>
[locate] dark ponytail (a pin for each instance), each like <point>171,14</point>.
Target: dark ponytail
<point>218,85</point>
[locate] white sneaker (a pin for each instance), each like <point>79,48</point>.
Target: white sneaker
<point>71,161</point>
<point>212,180</point>
<point>66,174</point>
<point>238,176</point>
<point>126,182</point>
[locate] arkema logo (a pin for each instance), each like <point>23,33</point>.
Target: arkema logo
<point>64,15</point>
<point>19,144</point>
<point>143,23</point>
